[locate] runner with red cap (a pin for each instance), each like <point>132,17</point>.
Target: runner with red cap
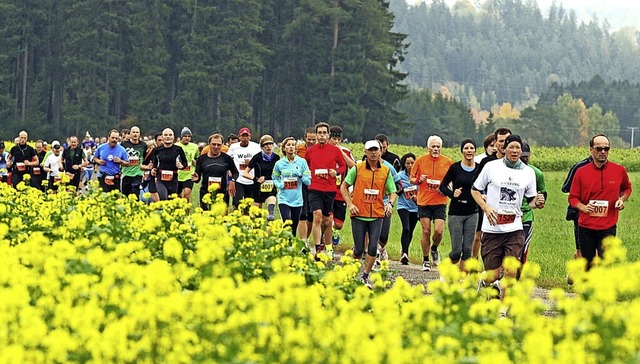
<point>242,152</point>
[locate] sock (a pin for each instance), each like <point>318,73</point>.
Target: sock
<point>365,275</point>
<point>271,208</point>
<point>434,248</point>
<point>313,249</point>
<point>425,258</point>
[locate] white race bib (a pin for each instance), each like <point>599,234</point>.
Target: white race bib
<point>370,195</point>
<point>601,208</point>
<point>410,191</point>
<point>506,216</point>
<point>290,183</point>
<point>433,184</point>
<point>213,180</point>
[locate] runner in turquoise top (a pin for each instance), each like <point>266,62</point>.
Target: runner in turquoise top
<point>289,174</point>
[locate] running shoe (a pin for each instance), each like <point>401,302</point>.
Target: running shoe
<point>497,290</point>
<point>405,259</point>
<point>426,267</point>
<point>366,282</point>
<point>435,257</point>
<point>335,237</point>
<point>383,253</point>
<point>329,251</point>
<point>271,217</point>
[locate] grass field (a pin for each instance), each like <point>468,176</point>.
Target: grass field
<point>552,243</point>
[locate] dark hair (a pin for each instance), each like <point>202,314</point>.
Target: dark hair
<point>488,140</point>
<point>112,131</point>
<point>335,132</point>
<point>403,160</point>
<point>156,136</point>
<point>501,131</point>
<point>232,136</point>
<point>308,131</point>
<point>382,139</point>
<point>595,136</point>
<point>322,125</point>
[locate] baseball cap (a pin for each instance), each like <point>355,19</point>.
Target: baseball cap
<point>526,150</point>
<point>266,139</point>
<point>55,144</point>
<point>371,144</point>
<point>244,131</point>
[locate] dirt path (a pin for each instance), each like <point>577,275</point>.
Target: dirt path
<point>414,275</point>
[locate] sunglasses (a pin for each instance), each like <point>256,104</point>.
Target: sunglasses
<point>600,149</point>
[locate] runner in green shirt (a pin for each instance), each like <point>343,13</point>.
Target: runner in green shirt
<point>185,184</point>
<point>132,174</point>
<point>527,211</point>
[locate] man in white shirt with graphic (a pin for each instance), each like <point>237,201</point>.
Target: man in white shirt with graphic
<point>507,182</point>
<point>242,152</point>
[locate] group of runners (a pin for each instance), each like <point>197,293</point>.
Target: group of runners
<point>491,197</point>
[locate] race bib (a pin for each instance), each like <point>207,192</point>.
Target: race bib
<point>243,165</point>
<point>506,217</point>
<point>290,183</point>
<point>110,180</point>
<point>213,180</point>
<point>410,191</point>
<point>21,166</point>
<point>166,176</point>
<point>266,186</point>
<point>370,195</point>
<point>134,161</point>
<point>321,172</point>
<point>601,208</point>
<point>433,184</point>
<point>36,171</point>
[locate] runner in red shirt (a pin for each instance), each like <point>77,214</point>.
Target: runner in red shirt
<point>332,233</point>
<point>326,162</point>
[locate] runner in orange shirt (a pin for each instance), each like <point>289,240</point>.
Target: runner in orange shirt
<point>427,173</point>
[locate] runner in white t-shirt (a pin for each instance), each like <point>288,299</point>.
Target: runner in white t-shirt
<point>507,182</point>
<point>242,152</point>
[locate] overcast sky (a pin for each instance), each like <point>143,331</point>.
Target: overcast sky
<point>619,13</point>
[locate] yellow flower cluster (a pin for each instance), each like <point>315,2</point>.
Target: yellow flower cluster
<point>103,278</point>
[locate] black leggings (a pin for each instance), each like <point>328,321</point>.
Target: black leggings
<point>409,221</point>
<point>290,213</point>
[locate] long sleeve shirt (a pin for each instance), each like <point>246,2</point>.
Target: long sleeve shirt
<point>602,186</point>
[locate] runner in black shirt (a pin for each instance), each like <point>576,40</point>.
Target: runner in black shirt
<point>214,167</point>
<point>167,160</point>
<point>21,158</point>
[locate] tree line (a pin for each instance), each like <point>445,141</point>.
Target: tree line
<point>67,66</point>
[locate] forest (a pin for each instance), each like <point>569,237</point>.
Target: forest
<point>67,66</point>
<point>280,66</point>
<point>509,63</point>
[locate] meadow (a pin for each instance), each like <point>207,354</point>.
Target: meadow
<point>553,243</point>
